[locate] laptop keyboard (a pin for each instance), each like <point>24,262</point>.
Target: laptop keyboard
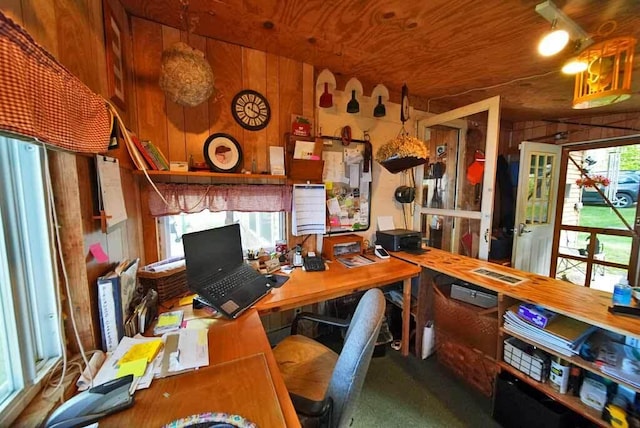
<point>244,273</point>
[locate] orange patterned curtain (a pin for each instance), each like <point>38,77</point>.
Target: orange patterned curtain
<point>193,198</point>
<point>41,99</point>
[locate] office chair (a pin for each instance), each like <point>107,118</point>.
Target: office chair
<point>323,385</point>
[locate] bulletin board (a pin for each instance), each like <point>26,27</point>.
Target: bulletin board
<point>347,178</point>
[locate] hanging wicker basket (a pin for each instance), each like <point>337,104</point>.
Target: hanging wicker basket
<point>186,77</point>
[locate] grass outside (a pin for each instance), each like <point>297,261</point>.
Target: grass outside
<point>616,248</point>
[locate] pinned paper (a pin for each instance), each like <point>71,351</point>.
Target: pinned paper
<point>98,253</point>
<point>136,368</point>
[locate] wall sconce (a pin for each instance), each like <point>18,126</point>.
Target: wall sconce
<point>381,94</point>
<point>563,29</point>
<point>354,87</point>
<point>325,85</point>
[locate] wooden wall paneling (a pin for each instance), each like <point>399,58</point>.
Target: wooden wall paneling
<point>39,18</point>
<point>75,45</point>
<point>614,120</point>
<point>12,9</point>
<point>196,119</point>
<point>254,73</point>
<point>150,104</point>
<point>290,72</point>
<point>176,140</point>
<point>226,62</point>
<point>274,130</point>
<point>308,93</point>
<point>596,132</point>
<point>66,187</point>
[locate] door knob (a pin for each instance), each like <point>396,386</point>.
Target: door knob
<point>521,229</point>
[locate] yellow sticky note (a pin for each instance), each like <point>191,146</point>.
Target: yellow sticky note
<point>187,300</point>
<point>146,350</point>
<point>167,320</point>
<point>328,185</point>
<point>135,368</point>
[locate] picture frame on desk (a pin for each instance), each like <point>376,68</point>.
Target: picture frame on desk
<point>114,58</point>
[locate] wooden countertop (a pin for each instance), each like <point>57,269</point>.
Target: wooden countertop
<point>242,378</point>
<point>304,288</point>
<point>582,303</point>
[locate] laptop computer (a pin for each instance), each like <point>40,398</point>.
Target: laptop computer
<point>217,272</point>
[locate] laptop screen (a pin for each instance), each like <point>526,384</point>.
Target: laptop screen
<point>209,251</point>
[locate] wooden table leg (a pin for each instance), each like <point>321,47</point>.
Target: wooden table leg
<point>406,316</point>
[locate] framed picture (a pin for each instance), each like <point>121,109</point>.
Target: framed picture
<point>114,54</point>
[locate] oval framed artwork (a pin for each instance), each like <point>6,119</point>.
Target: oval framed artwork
<point>223,153</point>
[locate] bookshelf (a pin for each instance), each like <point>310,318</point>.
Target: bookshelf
<point>206,177</point>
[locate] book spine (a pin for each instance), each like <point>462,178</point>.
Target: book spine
<point>156,155</point>
<point>108,313</point>
<point>144,152</point>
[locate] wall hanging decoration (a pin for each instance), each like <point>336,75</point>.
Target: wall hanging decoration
<point>114,54</point>
<point>326,99</point>
<point>325,85</point>
<point>381,94</point>
<point>404,151</point>
<point>223,153</point>
<point>251,110</point>
<point>379,110</point>
<point>186,77</point>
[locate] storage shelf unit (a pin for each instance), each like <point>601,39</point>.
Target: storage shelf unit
<point>206,177</point>
<point>569,401</point>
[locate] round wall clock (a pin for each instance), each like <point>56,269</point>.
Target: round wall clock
<point>251,110</point>
<point>404,106</point>
<point>223,153</point>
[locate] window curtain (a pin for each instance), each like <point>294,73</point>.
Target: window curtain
<point>193,198</point>
<point>41,99</point>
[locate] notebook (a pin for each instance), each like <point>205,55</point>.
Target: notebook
<point>217,272</point>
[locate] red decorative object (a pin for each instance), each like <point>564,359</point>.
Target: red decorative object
<point>593,181</point>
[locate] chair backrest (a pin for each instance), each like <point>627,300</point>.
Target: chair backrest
<point>352,365</point>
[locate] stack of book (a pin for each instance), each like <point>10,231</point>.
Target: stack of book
<point>154,158</point>
<point>562,334</point>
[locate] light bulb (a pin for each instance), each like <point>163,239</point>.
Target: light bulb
<point>553,42</point>
<point>574,66</point>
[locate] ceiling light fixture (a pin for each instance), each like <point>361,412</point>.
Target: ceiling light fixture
<point>574,65</point>
<point>607,77</point>
<point>563,29</point>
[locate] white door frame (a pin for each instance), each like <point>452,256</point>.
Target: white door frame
<point>492,107</point>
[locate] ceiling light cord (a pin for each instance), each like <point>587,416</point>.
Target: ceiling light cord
<point>519,79</point>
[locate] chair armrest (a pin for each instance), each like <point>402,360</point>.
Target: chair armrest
<point>311,408</point>
<point>323,319</point>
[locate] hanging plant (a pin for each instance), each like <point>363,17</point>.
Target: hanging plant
<point>593,181</point>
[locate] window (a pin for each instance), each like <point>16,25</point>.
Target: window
<point>29,329</point>
<point>258,229</point>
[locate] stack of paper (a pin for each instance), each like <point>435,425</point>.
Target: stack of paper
<point>168,322</point>
<point>564,335</point>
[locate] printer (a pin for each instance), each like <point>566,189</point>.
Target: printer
<point>399,240</point>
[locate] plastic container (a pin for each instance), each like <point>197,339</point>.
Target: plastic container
<point>559,375</point>
<point>622,293</point>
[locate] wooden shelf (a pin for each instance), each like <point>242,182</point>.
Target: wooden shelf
<point>575,360</point>
<point>207,177</point>
<point>570,401</point>
<point>414,305</point>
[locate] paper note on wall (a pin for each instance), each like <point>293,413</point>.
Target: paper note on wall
<point>308,214</point>
<point>111,196</point>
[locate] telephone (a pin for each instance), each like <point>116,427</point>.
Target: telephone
<point>381,252</point>
<point>313,263</point>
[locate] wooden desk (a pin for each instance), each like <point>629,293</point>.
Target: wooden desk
<point>242,378</point>
<point>304,288</point>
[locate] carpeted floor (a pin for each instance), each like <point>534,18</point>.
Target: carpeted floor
<point>409,392</point>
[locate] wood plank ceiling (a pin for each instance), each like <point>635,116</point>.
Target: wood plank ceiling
<point>437,47</point>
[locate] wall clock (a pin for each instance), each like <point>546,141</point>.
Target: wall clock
<point>223,153</point>
<point>404,104</point>
<point>251,110</point>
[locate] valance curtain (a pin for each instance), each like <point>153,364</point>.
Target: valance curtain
<point>193,198</point>
<point>43,100</point>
